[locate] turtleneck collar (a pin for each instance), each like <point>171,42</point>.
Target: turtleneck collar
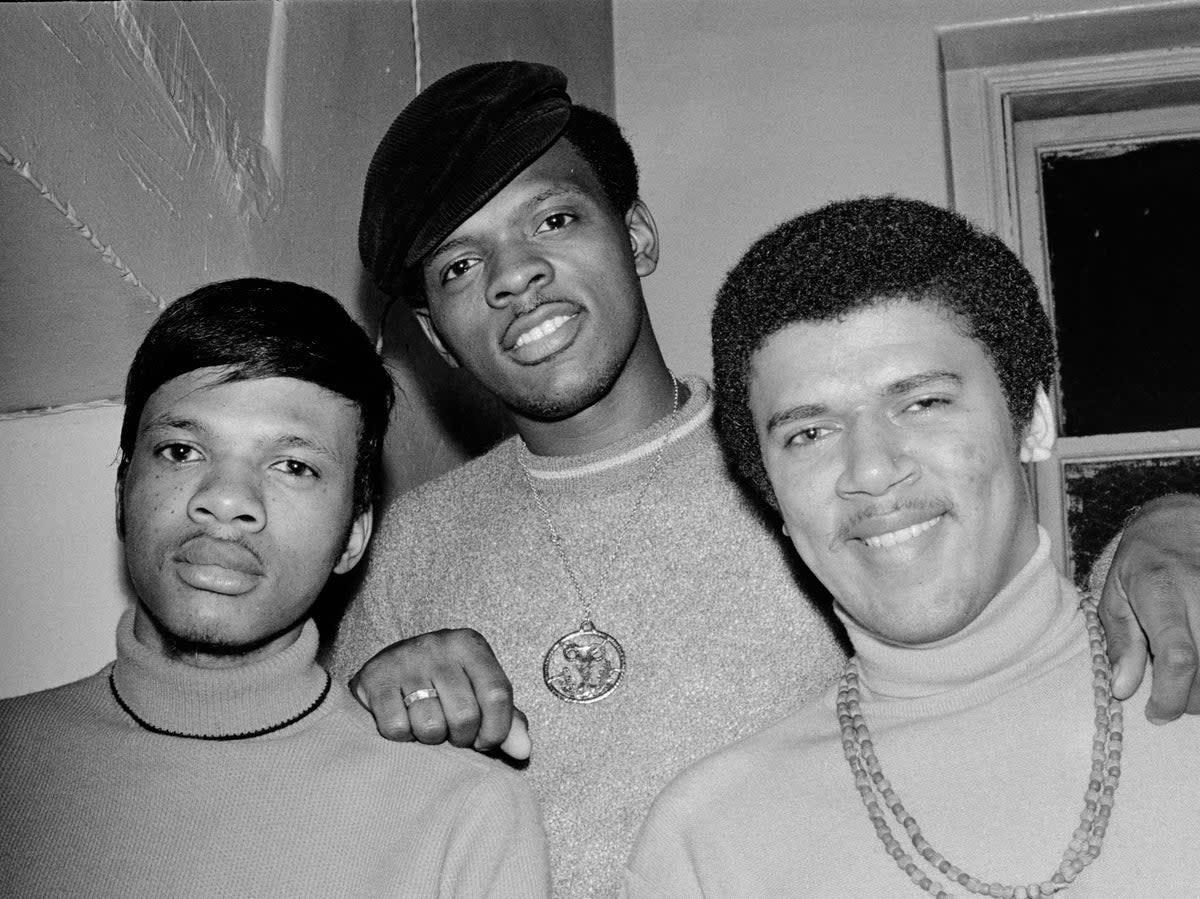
<point>174,696</point>
<point>1033,618</point>
<point>692,415</point>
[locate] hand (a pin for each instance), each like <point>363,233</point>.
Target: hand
<point>1152,594</point>
<point>474,702</point>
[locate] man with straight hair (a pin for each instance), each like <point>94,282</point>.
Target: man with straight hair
<point>602,566</point>
<point>882,370</point>
<point>215,756</point>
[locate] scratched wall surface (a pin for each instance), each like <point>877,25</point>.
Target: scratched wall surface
<point>147,148</point>
<point>130,141</point>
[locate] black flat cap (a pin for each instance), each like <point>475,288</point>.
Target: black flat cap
<point>452,149</point>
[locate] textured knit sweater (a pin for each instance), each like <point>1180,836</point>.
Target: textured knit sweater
<point>696,586</point>
<point>92,804</point>
<point>986,738</point>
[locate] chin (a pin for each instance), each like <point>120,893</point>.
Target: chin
<point>563,405</point>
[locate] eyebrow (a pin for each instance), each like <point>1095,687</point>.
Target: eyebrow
<point>532,202</point>
<point>295,441</point>
<point>795,413</point>
<point>284,441</point>
<point>922,379</point>
<point>166,422</point>
<point>804,411</point>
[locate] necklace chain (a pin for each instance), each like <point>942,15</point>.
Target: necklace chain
<point>618,538</point>
<point>877,792</point>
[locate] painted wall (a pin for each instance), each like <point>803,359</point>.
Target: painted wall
<point>742,114</point>
<point>745,114</point>
<point>147,148</point>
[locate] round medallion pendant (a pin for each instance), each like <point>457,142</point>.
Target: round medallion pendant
<point>584,666</point>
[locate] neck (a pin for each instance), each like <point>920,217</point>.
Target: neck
<point>198,654</point>
<point>1031,615</point>
<point>641,395</point>
<point>166,694</point>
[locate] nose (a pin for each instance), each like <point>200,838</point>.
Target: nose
<point>230,498</point>
<point>518,271</point>
<point>876,459</point>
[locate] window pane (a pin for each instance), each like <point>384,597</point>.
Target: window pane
<point>1101,494</point>
<point>1124,250</point>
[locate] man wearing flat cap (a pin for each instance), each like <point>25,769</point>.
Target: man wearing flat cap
<point>600,569</point>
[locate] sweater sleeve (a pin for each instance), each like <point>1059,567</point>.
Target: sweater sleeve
<point>498,847</point>
<point>660,865</point>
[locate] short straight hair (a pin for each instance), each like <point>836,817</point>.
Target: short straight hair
<point>258,328</point>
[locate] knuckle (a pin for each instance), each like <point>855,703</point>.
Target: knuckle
<point>496,694</point>
<point>1179,659</point>
<point>396,731</point>
<point>429,732</point>
<point>461,719</point>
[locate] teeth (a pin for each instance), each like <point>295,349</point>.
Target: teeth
<point>901,536</point>
<point>545,329</point>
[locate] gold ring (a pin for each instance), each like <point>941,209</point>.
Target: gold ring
<point>418,695</point>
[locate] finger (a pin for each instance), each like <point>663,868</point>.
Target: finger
<point>1193,704</point>
<point>1175,670</point>
<point>494,695</point>
<point>517,744</point>
<point>1162,604</point>
<point>1126,643</point>
<point>454,715</point>
<point>384,699</point>
<point>425,716</point>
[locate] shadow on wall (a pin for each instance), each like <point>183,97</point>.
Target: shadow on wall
<point>442,417</point>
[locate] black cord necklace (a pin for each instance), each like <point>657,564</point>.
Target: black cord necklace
<point>146,725</point>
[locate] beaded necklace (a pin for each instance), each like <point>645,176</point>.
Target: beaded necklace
<point>876,791</point>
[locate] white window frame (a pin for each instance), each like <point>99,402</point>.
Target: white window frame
<point>997,74</point>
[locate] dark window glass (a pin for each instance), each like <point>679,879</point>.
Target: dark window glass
<point>1123,234</point>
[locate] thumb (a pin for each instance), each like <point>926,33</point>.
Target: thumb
<point>1127,650</point>
<point>518,744</point>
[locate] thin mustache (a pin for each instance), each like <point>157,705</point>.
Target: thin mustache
<point>932,505</point>
<point>239,542</point>
<point>539,299</point>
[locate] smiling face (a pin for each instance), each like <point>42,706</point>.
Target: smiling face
<point>538,294</point>
<point>888,443</point>
<point>238,505</point>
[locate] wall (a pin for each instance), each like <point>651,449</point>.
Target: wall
<point>148,148</point>
<point>742,114</point>
<point>745,114</point>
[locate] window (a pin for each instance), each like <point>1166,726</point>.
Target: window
<point>1077,138</point>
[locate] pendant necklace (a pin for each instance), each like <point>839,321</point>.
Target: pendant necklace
<point>587,664</point>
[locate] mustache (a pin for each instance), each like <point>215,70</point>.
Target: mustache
<point>933,505</point>
<point>201,546</point>
<point>536,301</point>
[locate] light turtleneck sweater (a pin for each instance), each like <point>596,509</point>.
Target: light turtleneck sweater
<point>698,587</point>
<point>986,738</point>
<point>93,804</point>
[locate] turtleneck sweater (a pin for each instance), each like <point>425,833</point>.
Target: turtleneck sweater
<point>696,583</point>
<point>94,804</point>
<point>986,738</point>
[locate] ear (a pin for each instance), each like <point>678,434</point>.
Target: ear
<point>356,542</point>
<point>643,238</point>
<point>120,503</point>
<point>1040,433</point>
<point>426,322</point>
